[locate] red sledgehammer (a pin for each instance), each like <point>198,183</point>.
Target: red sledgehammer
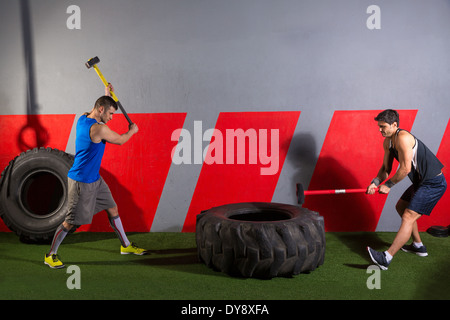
<point>301,193</point>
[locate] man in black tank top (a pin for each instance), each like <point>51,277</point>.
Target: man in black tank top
<point>428,184</point>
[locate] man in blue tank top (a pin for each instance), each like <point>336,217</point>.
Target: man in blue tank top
<point>87,191</point>
<point>428,184</point>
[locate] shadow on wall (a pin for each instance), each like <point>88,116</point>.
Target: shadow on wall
<point>32,134</point>
<point>128,210</point>
<point>303,158</point>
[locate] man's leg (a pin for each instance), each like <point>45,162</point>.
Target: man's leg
<point>59,236</point>
<point>401,207</point>
<point>127,246</point>
<point>383,259</point>
<point>116,224</point>
<point>408,227</point>
<point>51,259</point>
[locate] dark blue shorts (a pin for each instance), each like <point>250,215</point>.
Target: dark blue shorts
<point>423,197</point>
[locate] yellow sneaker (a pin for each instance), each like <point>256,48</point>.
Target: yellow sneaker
<point>133,249</point>
<point>53,261</point>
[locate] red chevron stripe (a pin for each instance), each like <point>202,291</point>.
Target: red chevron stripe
<point>441,213</point>
<point>220,184</point>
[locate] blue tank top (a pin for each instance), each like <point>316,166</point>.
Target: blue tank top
<point>88,155</point>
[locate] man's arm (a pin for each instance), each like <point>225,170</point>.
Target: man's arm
<point>385,169</point>
<point>404,146</point>
<point>101,132</point>
<point>388,159</point>
<point>109,89</point>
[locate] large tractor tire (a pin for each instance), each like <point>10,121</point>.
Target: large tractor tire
<point>260,240</point>
<point>33,193</point>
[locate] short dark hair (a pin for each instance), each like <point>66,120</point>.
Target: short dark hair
<point>105,101</point>
<point>389,116</point>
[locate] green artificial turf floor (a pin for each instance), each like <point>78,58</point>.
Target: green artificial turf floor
<point>173,272</point>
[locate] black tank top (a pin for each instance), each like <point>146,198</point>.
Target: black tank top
<point>424,165</point>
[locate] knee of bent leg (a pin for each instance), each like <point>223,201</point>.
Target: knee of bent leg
<point>410,216</point>
<point>67,225</point>
<point>113,212</point>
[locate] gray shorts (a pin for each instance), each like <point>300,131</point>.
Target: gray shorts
<point>86,199</point>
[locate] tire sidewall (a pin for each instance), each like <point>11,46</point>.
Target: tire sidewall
<point>21,220</point>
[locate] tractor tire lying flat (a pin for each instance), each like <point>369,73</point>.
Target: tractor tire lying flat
<point>261,240</point>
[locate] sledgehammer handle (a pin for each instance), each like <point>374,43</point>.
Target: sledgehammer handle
<point>113,95</point>
<point>123,111</point>
<point>336,191</point>
<point>104,81</point>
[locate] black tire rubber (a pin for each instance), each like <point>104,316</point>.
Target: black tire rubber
<point>260,240</point>
<point>33,193</point>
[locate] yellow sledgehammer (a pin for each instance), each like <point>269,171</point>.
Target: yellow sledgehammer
<point>93,63</point>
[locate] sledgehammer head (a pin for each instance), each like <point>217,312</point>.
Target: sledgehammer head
<point>92,62</point>
<point>300,194</point>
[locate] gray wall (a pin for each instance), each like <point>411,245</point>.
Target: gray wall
<point>204,57</point>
